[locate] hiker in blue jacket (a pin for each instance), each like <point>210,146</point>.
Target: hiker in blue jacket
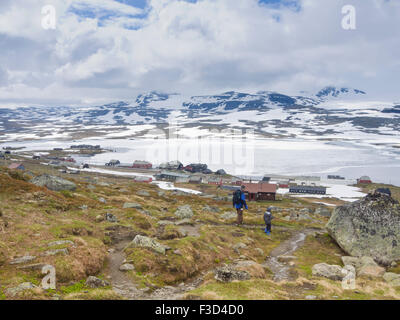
<point>239,201</point>
<point>268,221</point>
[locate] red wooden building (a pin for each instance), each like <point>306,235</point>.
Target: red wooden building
<point>260,191</point>
<point>142,165</point>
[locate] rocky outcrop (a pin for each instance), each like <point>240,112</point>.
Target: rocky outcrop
<point>53,183</point>
<point>368,227</point>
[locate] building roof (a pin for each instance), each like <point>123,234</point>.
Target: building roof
<point>174,174</point>
<point>15,165</point>
<point>365,178</point>
<point>141,162</point>
<point>260,187</point>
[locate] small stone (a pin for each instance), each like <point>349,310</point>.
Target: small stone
<point>94,282</point>
<point>99,218</point>
<point>56,251</point>
<point>23,259</point>
<point>127,267</point>
<point>60,243</point>
<point>102,200</point>
<point>22,287</point>
<point>130,205</point>
<point>111,218</point>
<point>310,297</point>
<point>143,193</point>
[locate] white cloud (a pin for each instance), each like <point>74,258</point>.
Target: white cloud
<point>106,50</point>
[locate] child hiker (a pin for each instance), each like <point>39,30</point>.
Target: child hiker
<point>268,220</point>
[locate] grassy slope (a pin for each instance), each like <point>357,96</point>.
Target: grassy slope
<point>33,217</point>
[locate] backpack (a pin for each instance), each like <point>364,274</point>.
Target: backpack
<point>237,197</point>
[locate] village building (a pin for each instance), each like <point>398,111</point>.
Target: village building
<point>142,165</point>
<point>307,189</point>
<point>16,166</point>
<point>113,163</point>
<point>215,181</point>
<point>260,191</point>
<point>364,179</point>
<point>196,179</point>
<point>172,165</point>
<point>143,179</point>
<point>171,176</point>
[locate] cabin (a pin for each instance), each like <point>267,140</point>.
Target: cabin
<point>143,179</point>
<point>335,177</point>
<point>142,165</point>
<point>196,179</point>
<point>113,163</point>
<point>307,189</point>
<point>260,191</point>
<point>16,166</point>
<point>172,165</point>
<point>215,181</point>
<point>364,179</point>
<point>171,176</point>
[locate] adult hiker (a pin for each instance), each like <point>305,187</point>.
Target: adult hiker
<point>239,201</point>
<point>268,221</point>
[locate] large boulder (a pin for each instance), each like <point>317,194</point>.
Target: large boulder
<point>53,183</point>
<point>368,227</point>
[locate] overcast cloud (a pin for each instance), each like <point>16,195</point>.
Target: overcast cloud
<point>106,50</point>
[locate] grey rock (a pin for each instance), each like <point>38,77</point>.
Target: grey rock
<point>392,278</point>
<point>332,272</point>
<point>94,282</point>
<point>60,243</point>
<point>111,218</point>
<point>20,288</point>
<point>102,200</point>
<point>21,260</point>
<point>369,227</point>
<point>143,193</point>
<point>131,205</point>
<point>149,243</point>
<point>229,274</point>
<point>127,267</point>
<point>311,297</point>
<point>56,252</point>
<point>184,212</point>
<point>53,183</point>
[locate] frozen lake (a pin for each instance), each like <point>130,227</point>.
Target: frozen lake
<point>246,157</point>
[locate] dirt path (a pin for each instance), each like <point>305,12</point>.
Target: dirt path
<point>281,270</point>
<point>124,285</point>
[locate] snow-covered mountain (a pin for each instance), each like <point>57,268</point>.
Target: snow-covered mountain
<point>330,114</point>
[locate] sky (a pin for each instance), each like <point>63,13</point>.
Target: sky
<point>108,50</point>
